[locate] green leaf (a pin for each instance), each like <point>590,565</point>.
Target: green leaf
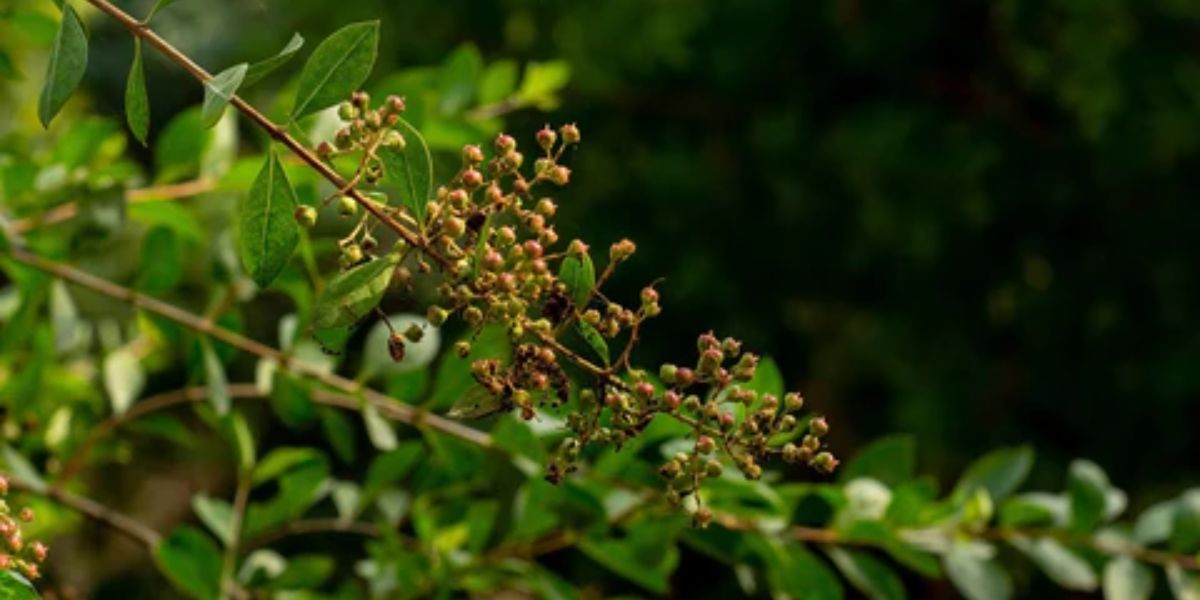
<point>281,460</point>
<point>379,430</point>
<point>1034,509</point>
<point>264,67</point>
<point>410,169</point>
<point>975,576</point>
<point>390,467</point>
<point>801,574</point>
<point>1155,523</point>
<point>162,261</point>
<point>498,82</point>
<point>458,76</point>
<point>352,294</point>
<point>159,5</point>
<point>1000,472</point>
<point>218,91</point>
<point>19,467</point>
<point>646,555</point>
<point>1185,585</point>
<point>1185,528</point>
<point>1060,564</point>
<point>216,514</point>
<point>124,378</point>
<point>594,340</point>
<point>15,587</point>
<point>214,378</point>
<point>579,275</point>
<point>304,572</point>
<point>291,401</point>
<point>339,430</point>
<point>889,460</point>
<point>1127,579</point>
<point>243,441</point>
<point>303,479</point>
<point>1087,486</point>
<point>192,561</point>
<point>267,230</point>
<point>137,100</point>
<point>542,82</point>
<point>869,575</point>
<point>68,61</point>
<point>339,65</point>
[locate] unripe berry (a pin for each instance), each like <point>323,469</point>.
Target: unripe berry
<point>3,486</point>
<point>347,112</point>
<point>306,216</point>
<point>705,444</point>
<point>462,348</point>
<point>396,103</point>
<point>703,517</point>
<point>570,133</point>
<point>692,402</point>
<point>731,347</point>
<point>472,178</point>
<point>455,226</point>
<point>649,295</point>
<point>342,139</point>
<point>396,346</point>
<point>505,143</point>
<point>26,514</point>
<point>394,139</point>
<point>787,423</point>
<point>685,377</point>
<point>352,253</point>
<point>667,373</point>
<point>347,206</point>
<point>548,236</point>
<point>360,99</point>
<point>472,154</point>
<point>710,360</point>
<point>324,150</point>
<point>711,410</point>
<point>546,138</point>
<point>414,333</point>
<point>727,421</point>
<point>30,571</point>
<point>547,207</point>
<point>473,315</point>
<point>670,469</point>
<point>533,248</point>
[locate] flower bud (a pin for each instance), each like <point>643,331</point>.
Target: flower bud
<point>395,103</point>
<point>436,315</point>
<point>560,175</point>
<point>306,216</point>
<point>396,346</point>
<point>667,373</point>
<point>533,248</point>
<point>26,514</point>
<point>472,178</point>
<point>324,150</point>
<point>710,360</point>
<point>3,486</point>
<point>414,333</point>
<point>455,226</point>
<point>649,295</point>
<point>352,253</point>
<point>793,402</point>
<point>824,462</point>
<point>347,111</point>
<point>547,207</point>
<point>472,154</point>
<point>671,399</point>
<point>505,143</point>
<point>670,469</point>
<point>644,390</point>
<point>685,377</point>
<point>546,138</point>
<point>360,99</point>
<point>705,444</point>
<point>570,133</point>
<point>818,426</point>
<point>462,348</point>
<point>727,421</point>
<point>621,250</point>
<point>394,139</point>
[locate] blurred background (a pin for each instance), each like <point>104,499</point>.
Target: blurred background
<point>973,221</point>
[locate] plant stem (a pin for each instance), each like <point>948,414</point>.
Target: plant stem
<point>241,498</point>
<point>95,511</point>
<point>390,407</point>
<point>277,132</point>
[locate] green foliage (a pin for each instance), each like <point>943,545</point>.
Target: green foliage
<point>68,61</point>
<point>267,231</point>
<point>137,99</point>
<point>338,66</point>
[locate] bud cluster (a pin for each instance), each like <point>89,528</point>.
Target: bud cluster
<point>17,554</point>
<point>490,231</point>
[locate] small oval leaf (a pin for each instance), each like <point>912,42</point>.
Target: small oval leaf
<point>264,67</point>
<point>68,61</point>
<point>353,293</point>
<point>337,67</point>
<point>137,101</point>
<point>268,234</point>
<point>218,91</point>
<point>579,275</point>
<point>410,169</point>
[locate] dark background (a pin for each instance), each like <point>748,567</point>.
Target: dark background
<point>972,221</point>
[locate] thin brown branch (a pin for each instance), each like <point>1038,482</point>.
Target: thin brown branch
<point>68,210</point>
<point>315,526</point>
<point>387,406</point>
<point>277,132</point>
<point>95,511</point>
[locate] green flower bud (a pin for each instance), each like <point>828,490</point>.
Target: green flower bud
<point>347,206</point>
<point>436,315</point>
<point>306,216</point>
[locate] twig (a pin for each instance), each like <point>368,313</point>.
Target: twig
<point>388,406</point>
<point>66,211</point>
<point>95,511</point>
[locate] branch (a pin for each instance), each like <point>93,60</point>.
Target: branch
<point>277,132</point>
<point>388,406</point>
<point>66,211</point>
<point>95,511</point>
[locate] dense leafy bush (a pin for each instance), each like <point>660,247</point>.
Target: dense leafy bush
<point>267,311</point>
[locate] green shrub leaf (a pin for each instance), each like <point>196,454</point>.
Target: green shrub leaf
<point>869,575</point>
<point>1000,472</point>
<point>579,275</point>
<point>1059,564</point>
<point>267,230</point>
<point>1127,579</point>
<point>68,61</point>
<point>15,587</point>
<point>410,169</point>
<point>264,67</point>
<point>216,514</point>
<point>976,577</point>
<point>137,100</point>
<point>594,340</point>
<point>191,561</point>
<point>218,91</point>
<point>353,293</point>
<point>890,460</point>
<point>339,65</point>
<point>1088,487</point>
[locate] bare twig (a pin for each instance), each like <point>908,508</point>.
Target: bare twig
<point>95,511</point>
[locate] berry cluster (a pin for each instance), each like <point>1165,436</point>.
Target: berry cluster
<point>500,263</point>
<point>17,554</point>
